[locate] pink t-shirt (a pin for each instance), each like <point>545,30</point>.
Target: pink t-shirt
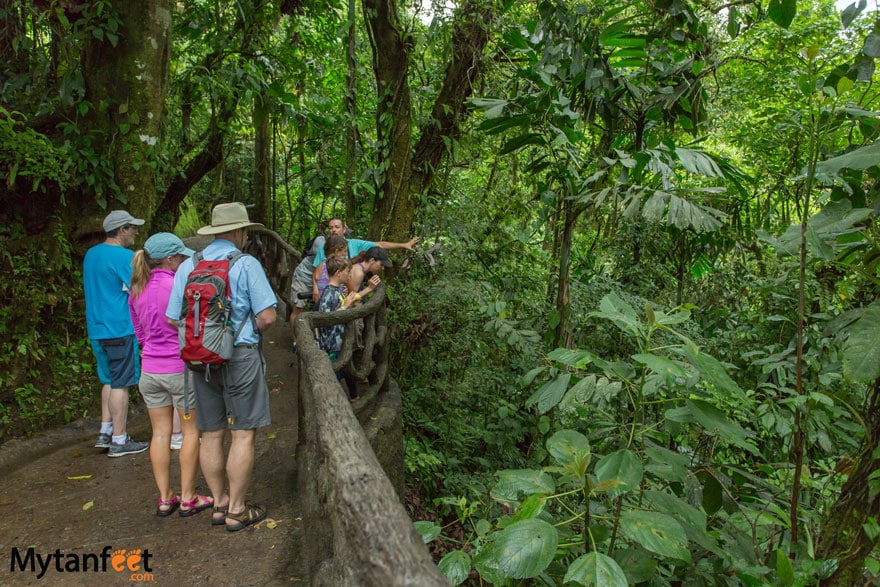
<point>160,348</point>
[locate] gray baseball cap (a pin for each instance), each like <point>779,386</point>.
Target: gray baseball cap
<point>118,218</point>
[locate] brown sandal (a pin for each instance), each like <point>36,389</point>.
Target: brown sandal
<point>252,514</point>
<point>215,521</point>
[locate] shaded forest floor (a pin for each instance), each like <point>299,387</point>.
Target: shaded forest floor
<point>57,492</point>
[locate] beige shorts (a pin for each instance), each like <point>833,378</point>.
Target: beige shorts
<point>164,389</point>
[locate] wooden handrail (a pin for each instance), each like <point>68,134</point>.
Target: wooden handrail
<point>357,530</point>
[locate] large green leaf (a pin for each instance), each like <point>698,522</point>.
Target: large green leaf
<point>712,492</point>
<point>712,371</point>
<point>784,568</point>
<point>622,468</point>
<point>861,358</point>
<point>428,530</point>
<point>517,143</point>
<point>669,370</point>
<point>596,569</point>
<point>671,504</point>
<point>520,551</point>
<point>858,159</point>
<point>548,395</point>
<point>871,48</point>
<point>512,482</point>
<point>455,566</point>
<point>591,389</point>
<point>570,449</point>
<point>618,34</point>
<point>818,247</point>
<point>531,507</point>
<point>637,563</point>
<point>828,225</point>
<point>503,123</point>
<point>666,464</point>
<point>852,12</point>
<point>613,308</point>
<point>782,12</point>
<point>714,421</point>
<point>672,319</point>
<point>571,357</point>
<point>659,533</point>
<point>493,107</point>
<point>678,212</point>
<point>698,162</point>
<point>692,519</point>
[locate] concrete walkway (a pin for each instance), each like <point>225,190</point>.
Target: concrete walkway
<point>64,498</point>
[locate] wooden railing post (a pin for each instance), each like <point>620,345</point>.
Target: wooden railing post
<point>349,457</point>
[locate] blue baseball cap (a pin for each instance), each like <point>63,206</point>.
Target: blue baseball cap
<point>165,244</point>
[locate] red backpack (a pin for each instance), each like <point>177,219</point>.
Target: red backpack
<point>204,329</point>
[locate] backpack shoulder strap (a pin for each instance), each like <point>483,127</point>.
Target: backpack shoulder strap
<point>232,258</point>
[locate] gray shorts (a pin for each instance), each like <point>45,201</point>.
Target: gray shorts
<point>165,389</point>
<point>243,404</point>
<point>297,285</point>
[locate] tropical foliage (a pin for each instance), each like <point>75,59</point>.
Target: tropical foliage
<point>639,343</point>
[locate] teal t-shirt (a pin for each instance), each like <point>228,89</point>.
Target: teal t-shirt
<point>355,246</point>
<point>106,277</point>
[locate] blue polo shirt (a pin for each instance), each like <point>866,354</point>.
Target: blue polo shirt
<point>247,280</point>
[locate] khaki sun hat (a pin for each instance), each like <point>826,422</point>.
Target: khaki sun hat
<point>228,217</point>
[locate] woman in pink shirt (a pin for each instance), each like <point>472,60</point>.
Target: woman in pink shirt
<point>162,372</point>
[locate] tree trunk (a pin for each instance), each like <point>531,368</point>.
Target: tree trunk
<point>261,185</point>
<point>563,336</point>
<point>12,28</point>
<point>131,79</point>
<point>351,209</point>
<point>393,204</point>
<point>408,173</point>
<point>843,536</point>
<point>256,19</point>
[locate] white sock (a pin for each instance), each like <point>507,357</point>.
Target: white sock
<point>119,439</point>
<point>106,427</point>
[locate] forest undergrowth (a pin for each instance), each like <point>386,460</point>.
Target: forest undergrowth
<point>656,449</point>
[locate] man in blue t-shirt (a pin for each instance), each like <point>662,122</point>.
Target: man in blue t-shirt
<point>106,277</point>
<point>236,398</point>
<point>355,246</point>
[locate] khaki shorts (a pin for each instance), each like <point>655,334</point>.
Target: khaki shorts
<point>164,389</point>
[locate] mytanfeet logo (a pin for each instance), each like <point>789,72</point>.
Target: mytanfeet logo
<point>133,562</point>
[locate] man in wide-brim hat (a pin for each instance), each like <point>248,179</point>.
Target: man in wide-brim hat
<point>228,218</point>
<point>244,405</point>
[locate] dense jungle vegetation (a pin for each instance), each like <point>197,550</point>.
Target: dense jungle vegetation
<point>640,343</point>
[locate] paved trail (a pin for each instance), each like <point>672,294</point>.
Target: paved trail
<point>41,506</point>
